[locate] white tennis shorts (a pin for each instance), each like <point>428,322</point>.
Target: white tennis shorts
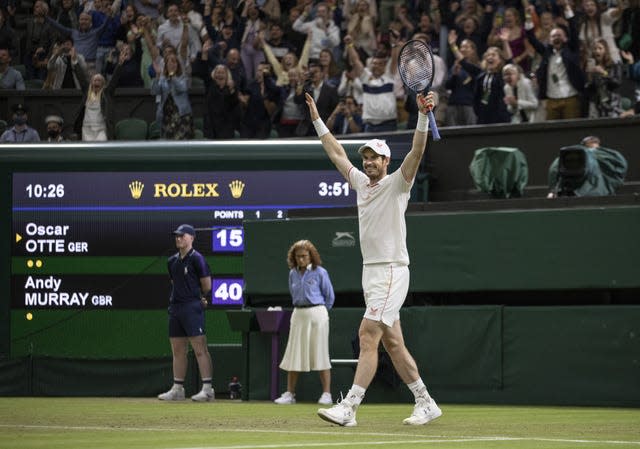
<point>308,344</point>
<point>385,289</point>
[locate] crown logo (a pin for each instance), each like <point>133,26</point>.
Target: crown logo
<point>236,188</point>
<point>136,188</point>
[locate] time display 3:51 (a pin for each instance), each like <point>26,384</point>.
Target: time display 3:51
<point>333,189</point>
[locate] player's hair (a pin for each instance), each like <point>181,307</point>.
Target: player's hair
<point>314,255</point>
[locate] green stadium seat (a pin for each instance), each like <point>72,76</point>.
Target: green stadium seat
<point>198,123</point>
<point>131,129</point>
<point>199,135</point>
<point>33,84</point>
<point>154,131</point>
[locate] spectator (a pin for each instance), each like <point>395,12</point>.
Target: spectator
<point>519,96</point>
<point>633,69</point>
<point>379,106</point>
<point>234,63</point>
<point>604,78</point>
<point>250,49</point>
<point>521,50</point>
<point>8,36</point>
<point>330,71</point>
<point>20,132</point>
<point>66,68</point>
<point>223,112</point>
<point>278,44</point>
<point>109,11</point>
<point>85,38</point>
<point>593,24</point>
<point>291,114</point>
<point>259,102</point>
<point>145,26</point>
<point>131,67</point>
<point>629,39</point>
<point>324,94</point>
<point>289,61</point>
<point>297,39</point>
<point>270,10</point>
<point>195,19</point>
<point>37,41</point>
<point>324,32</point>
<point>173,111</point>
<point>10,78</point>
<point>345,118</point>
<point>560,78</point>
<point>66,14</point>
<point>362,28</point>
<point>175,31</point>
<point>350,84</point>
<point>95,121</point>
<point>461,84</point>
<point>149,8</point>
<point>349,7</point>
<point>488,100</point>
<point>54,124</point>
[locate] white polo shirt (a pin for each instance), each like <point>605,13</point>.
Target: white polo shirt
<point>381,220</point>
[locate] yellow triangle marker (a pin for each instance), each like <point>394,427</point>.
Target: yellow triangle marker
<point>18,237</point>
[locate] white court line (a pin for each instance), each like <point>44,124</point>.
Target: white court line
<point>434,439</point>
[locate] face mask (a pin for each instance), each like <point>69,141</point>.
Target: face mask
<point>53,133</point>
<point>20,120</point>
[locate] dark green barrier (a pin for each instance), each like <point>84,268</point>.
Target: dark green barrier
<point>517,355</point>
<point>480,251</point>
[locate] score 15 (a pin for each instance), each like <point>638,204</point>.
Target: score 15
<point>228,239</point>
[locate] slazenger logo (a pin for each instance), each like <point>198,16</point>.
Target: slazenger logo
<point>343,239</point>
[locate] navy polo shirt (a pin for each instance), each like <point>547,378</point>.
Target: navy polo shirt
<point>185,274</point>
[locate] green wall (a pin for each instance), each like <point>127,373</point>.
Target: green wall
<point>550,249</point>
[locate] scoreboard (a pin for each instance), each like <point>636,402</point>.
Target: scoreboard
<point>100,240</point>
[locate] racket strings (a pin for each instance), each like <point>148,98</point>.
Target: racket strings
<point>415,65</point>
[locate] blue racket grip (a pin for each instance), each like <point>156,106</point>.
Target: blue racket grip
<point>433,125</point>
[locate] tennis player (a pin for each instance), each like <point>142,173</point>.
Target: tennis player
<point>382,201</point>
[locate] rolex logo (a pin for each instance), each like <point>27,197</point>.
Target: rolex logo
<point>236,188</point>
<point>136,188</point>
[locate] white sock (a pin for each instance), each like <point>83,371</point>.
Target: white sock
<point>355,395</point>
<point>419,389</point>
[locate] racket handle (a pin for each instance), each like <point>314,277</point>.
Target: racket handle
<point>433,125</point>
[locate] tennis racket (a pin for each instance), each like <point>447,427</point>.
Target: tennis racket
<point>415,64</point>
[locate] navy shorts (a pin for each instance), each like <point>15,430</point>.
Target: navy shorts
<point>186,319</point>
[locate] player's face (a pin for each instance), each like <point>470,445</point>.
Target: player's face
<point>374,165</point>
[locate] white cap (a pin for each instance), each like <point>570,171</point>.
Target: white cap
<point>378,146</point>
<point>54,118</point>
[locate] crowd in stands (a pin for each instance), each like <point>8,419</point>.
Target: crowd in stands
<point>496,61</point>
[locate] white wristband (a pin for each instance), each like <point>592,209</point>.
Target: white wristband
<point>321,128</point>
<point>423,123</point>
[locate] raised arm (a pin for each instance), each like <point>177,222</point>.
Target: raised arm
<point>412,160</point>
<point>331,146</point>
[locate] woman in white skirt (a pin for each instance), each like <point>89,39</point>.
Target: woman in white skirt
<point>308,344</point>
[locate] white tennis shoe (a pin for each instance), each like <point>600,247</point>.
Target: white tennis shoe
<point>325,399</point>
<point>175,394</point>
<point>205,395</point>
<point>342,414</point>
<point>425,410</point>
<point>287,398</point>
